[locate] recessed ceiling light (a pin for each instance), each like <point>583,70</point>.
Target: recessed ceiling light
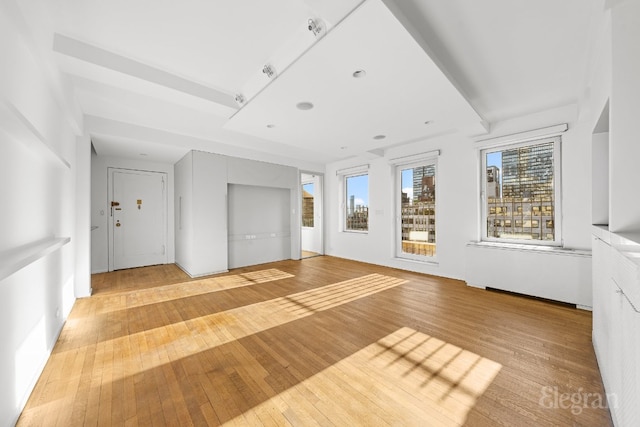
<point>271,126</point>
<point>358,74</point>
<point>380,137</point>
<point>304,106</point>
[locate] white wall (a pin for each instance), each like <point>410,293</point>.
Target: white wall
<point>183,205</point>
<point>456,181</point>
<point>100,208</point>
<point>83,217</point>
<point>560,276</point>
<point>39,172</point>
<point>458,204</point>
<point>201,213</point>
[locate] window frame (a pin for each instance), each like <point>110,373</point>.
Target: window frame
<point>399,167</point>
<point>557,191</point>
<point>345,203</point>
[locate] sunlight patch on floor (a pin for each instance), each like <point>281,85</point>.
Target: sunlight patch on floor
<point>407,378</point>
<point>160,294</point>
<point>149,349</point>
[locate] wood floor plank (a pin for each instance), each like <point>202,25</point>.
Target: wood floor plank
<point>322,341</point>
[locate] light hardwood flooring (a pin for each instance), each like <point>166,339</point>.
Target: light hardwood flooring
<point>322,341</point>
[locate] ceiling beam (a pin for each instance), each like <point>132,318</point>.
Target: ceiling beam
<point>101,57</point>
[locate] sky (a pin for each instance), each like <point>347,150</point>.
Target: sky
<point>359,187</point>
<point>495,159</point>
<point>407,182</point>
<point>308,188</point>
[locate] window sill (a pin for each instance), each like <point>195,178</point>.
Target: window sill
<point>355,231</point>
<point>427,262</point>
<point>556,250</point>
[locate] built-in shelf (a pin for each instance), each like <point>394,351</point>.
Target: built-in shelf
<point>16,125</point>
<point>15,259</point>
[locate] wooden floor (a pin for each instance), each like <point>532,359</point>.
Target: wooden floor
<point>322,341</point>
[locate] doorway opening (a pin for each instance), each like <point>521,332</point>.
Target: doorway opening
<point>311,210</point>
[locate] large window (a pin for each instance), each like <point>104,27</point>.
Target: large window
<point>417,203</point>
<point>521,192</point>
<point>356,216</point>
<point>307,205</point>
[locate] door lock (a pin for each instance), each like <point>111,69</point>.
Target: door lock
<point>114,204</point>
<point>118,223</point>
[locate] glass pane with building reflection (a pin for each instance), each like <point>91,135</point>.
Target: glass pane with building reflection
<point>418,210</point>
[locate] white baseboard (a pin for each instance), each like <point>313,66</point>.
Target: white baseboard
<point>474,285</point>
<point>195,276</point>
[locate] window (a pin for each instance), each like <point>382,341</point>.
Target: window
<point>356,203</point>
<point>521,185</point>
<point>307,205</point>
<point>417,208</point>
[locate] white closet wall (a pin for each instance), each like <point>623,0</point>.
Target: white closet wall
<point>202,208</point>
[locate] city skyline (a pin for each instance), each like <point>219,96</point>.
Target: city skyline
<point>358,186</point>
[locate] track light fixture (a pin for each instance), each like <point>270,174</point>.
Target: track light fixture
<point>315,26</point>
<point>269,71</point>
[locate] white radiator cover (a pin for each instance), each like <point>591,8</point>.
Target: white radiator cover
<point>556,274</point>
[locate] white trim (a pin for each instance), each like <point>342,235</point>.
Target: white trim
<point>16,259</point>
<point>343,177</point>
<point>531,135</point>
<point>193,276</point>
<point>424,159</point>
<point>353,170</point>
<point>414,158</point>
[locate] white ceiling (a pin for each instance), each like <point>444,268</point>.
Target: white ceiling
<point>159,77</point>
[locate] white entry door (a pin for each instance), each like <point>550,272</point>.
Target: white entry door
<point>138,218</point>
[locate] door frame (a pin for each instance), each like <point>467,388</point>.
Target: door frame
<point>110,231</point>
<point>318,207</point>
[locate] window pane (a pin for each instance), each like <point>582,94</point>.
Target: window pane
<point>307,205</point>
<point>520,189</point>
<point>357,203</point>
<point>418,209</point>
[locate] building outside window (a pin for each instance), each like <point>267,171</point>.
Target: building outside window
<point>356,203</point>
<point>521,188</point>
<point>307,205</point>
<point>417,210</point>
